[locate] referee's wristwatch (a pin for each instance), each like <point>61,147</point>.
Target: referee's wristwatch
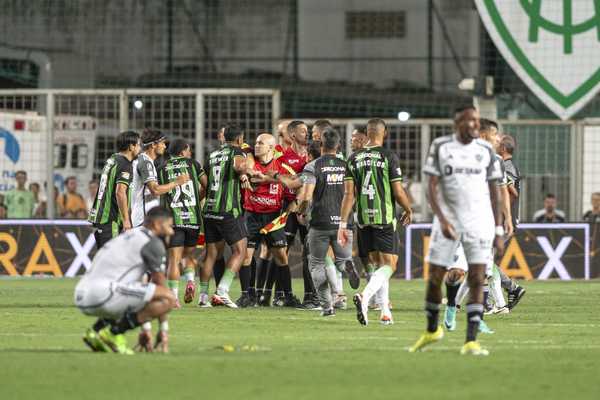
<point>499,230</point>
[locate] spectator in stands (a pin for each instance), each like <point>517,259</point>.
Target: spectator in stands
<point>549,213</point>
<point>19,201</point>
<point>92,192</point>
<point>40,200</point>
<point>593,215</point>
<point>71,203</point>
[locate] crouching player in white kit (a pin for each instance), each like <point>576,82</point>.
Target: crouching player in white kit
<point>464,196</point>
<point>113,287</point>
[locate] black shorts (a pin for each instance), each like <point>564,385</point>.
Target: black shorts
<point>255,222</point>
<point>384,239</point>
<point>363,251</point>
<point>106,232</point>
<point>224,227</point>
<point>184,237</point>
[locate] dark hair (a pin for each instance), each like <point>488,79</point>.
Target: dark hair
<point>361,130</point>
<point>68,178</point>
<point>126,139</point>
<point>330,139</point>
<point>463,108</point>
<point>32,184</point>
<point>232,132</point>
<point>155,213</point>
<point>291,128</point>
<point>314,149</point>
<point>508,143</point>
<point>376,122</point>
<point>151,136</point>
<point>550,196</point>
<point>21,172</point>
<point>486,124</point>
<point>177,146</point>
<point>322,124</point>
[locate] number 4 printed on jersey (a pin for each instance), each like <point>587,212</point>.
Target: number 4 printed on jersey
<point>367,188</point>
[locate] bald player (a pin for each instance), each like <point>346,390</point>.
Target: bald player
<point>262,205</point>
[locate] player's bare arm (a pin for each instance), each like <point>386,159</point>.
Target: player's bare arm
<point>496,200</point>
<point>158,190</point>
<point>123,204</point>
<point>432,188</point>
<point>347,203</point>
<point>508,225</point>
<point>304,197</point>
<point>402,199</point>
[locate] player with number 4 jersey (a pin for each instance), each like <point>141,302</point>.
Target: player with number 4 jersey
<point>184,203</point>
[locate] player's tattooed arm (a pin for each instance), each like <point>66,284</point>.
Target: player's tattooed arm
<point>402,199</point>
<point>496,199</point>
<point>123,204</point>
<point>347,203</point>
<point>306,193</point>
<point>432,188</point>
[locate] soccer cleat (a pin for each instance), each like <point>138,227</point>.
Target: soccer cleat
<point>162,342</point>
<point>264,301</point>
<point>484,328</point>
<point>92,340</point>
<point>310,305</point>
<point>361,309</point>
<point>386,319</point>
<point>278,300</point>
<point>473,348</point>
<point>244,301</point>
<point>353,277</point>
<point>144,342</point>
<point>341,302</point>
<point>426,339</point>
<point>190,292</point>
<point>204,301</point>
<point>291,301</point>
<point>498,310</point>
<point>515,296</point>
<point>328,313</point>
<point>450,318</point>
<point>117,343</point>
<point>222,300</point>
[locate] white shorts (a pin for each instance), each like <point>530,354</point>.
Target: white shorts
<point>449,253</point>
<point>460,261</point>
<point>112,299</point>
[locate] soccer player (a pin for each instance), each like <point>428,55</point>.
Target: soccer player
<point>506,150</point>
<point>110,212</point>
<point>184,203</point>
<point>374,179</point>
<point>359,139</point>
<point>145,190</point>
<point>223,219</point>
<point>262,205</point>
<point>113,287</point>
<point>464,197</point>
<point>324,190</point>
<point>296,156</point>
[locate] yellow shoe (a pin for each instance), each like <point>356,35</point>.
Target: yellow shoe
<point>426,339</point>
<point>117,343</point>
<point>473,348</point>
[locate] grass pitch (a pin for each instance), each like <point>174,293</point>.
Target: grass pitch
<point>549,348</point>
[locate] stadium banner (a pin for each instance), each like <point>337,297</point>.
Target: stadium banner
<point>48,247</point>
<point>536,251</point>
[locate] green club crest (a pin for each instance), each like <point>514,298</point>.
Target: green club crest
<point>552,45</point>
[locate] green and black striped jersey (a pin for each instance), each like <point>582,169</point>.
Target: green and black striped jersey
<point>105,210</point>
<point>184,200</point>
<point>373,169</point>
<point>223,196</point>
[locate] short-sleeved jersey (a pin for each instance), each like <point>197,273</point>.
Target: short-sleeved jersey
<point>504,180</point>
<point>117,169</point>
<point>267,197</point>
<point>184,200</point>
<point>297,162</point>
<point>464,171</point>
<point>142,200</point>
<point>223,195</point>
<point>327,174</point>
<point>373,170</point>
<point>513,177</point>
<point>128,257</point>
<point>19,203</point>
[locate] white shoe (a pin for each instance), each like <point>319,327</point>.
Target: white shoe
<point>204,301</point>
<point>386,319</point>
<point>222,300</point>
<point>501,310</point>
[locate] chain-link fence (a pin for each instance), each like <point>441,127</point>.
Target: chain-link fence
<point>336,59</point>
